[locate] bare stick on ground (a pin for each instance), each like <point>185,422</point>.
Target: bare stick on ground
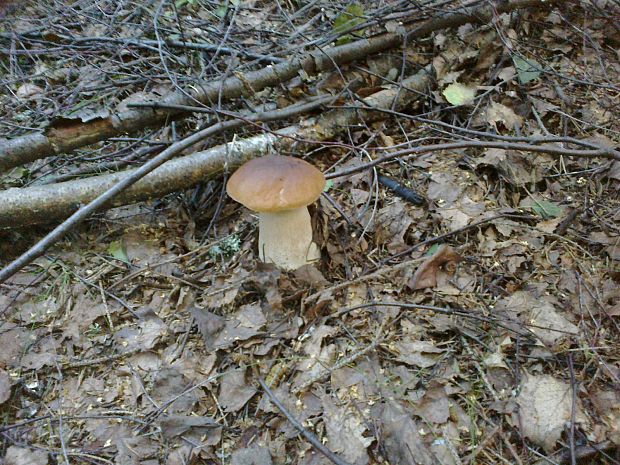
<point>312,439</point>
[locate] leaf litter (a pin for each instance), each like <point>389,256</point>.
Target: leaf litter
<point>146,332</point>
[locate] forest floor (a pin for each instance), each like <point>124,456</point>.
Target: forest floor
<point>475,322</point>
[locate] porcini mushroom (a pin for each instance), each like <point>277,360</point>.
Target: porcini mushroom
<point>280,188</point>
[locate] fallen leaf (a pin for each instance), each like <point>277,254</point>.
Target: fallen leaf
<point>276,331</point>
<point>614,170</point>
<point>116,249</point>
<point>444,188</point>
<point>5,386</point>
<point>542,106</point>
<point>251,456</point>
<point>612,243</point>
<point>434,406</point>
<point>393,221</point>
<point>135,450</point>
<point>421,354</point>
<point>27,91</point>
<point>309,275</point>
<point>105,431</point>
<point>182,455</point>
<point>546,209</point>
<point>265,278</point>
<point>209,325</point>
<point>345,431</point>
<point>317,356</point>
<point>498,113</point>
<point>360,381</point>
<point>426,274</point>
<point>224,291</point>
<point>527,69</point>
<point>170,385</point>
<point>507,74</point>
<point>241,326</point>
<point>607,405</point>
<point>515,167</point>
<point>176,425</point>
<point>45,352</point>
<point>550,325</point>
<point>546,321</point>
<point>352,16</point>
<point>459,94</point>
<point>401,436</point>
<point>25,456</point>
<point>234,390</point>
<point>145,336</point>
<point>545,409</point>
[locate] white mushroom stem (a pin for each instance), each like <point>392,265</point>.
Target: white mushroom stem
<point>285,239</point>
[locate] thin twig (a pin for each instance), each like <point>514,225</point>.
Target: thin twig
<point>312,439</point>
<point>550,149</point>
<point>573,410</point>
<point>381,271</point>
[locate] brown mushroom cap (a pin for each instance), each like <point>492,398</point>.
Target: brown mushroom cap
<point>274,183</point>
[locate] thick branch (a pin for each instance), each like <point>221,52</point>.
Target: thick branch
<point>71,134</point>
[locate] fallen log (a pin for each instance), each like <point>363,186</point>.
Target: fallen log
<point>68,134</point>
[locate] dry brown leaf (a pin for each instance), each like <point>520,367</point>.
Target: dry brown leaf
<point>359,382</point>
<point>444,189</point>
<point>515,167</point>
<point>176,425</point>
<point>276,331</point>
<point>235,390</point>
<point>400,436</point>
<point>241,326</point>
<point>44,353</point>
<point>256,455</point>
<point>309,275</point>
<point>614,170</point>
<point>145,336</point>
<point>224,291</point>
<point>392,224</point>
<point>607,405</point>
<point>25,456</point>
<point>426,274</point>
<point>317,356</point>
<point>5,386</point>
<point>612,244</point>
<point>135,450</point>
<point>434,405</point>
<point>171,384</point>
<point>265,277</point>
<point>209,325</point>
<point>345,432</point>
<point>13,339</point>
<point>498,113</point>
<point>542,314</point>
<point>27,91</point>
<point>545,408</point>
<point>417,353</point>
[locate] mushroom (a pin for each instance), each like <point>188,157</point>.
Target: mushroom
<point>280,189</point>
